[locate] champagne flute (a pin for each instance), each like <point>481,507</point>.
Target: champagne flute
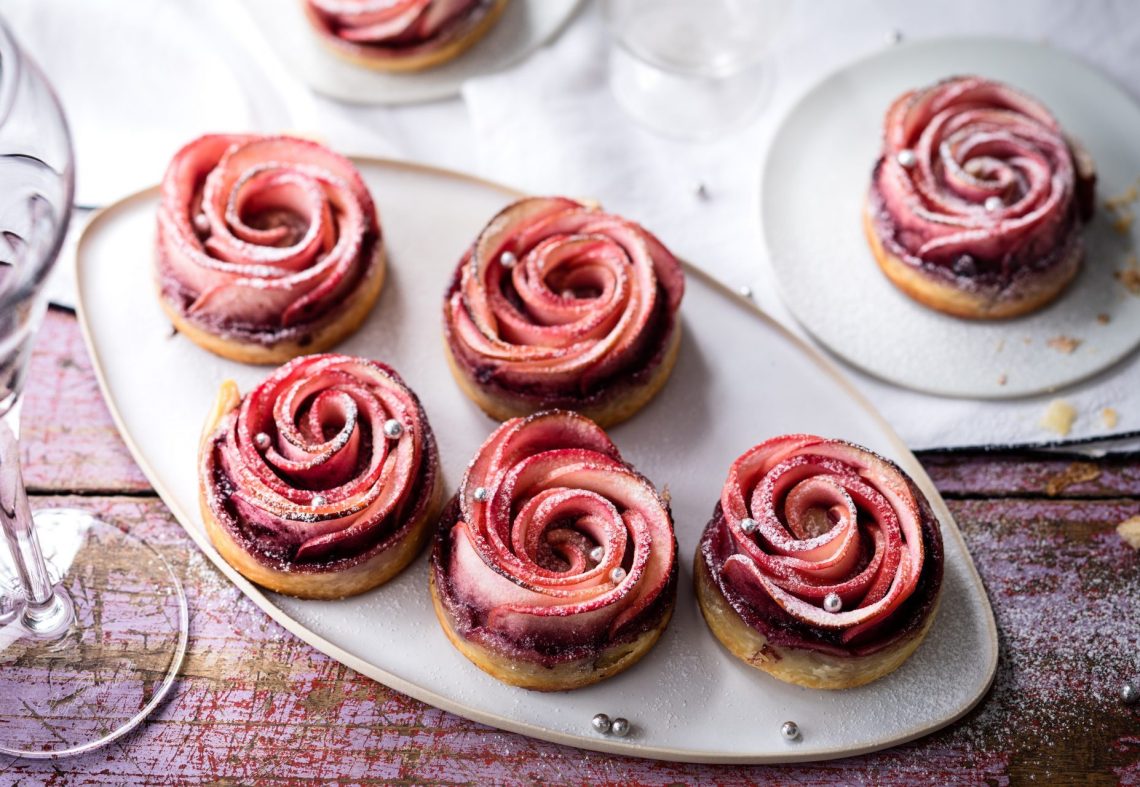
<point>93,623</point>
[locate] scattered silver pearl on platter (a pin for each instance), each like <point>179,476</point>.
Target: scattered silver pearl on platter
<point>597,553</point>
<point>993,203</point>
<point>1129,694</point>
<point>481,494</point>
<point>906,158</point>
<point>832,602</point>
<point>318,501</point>
<point>790,730</point>
<point>749,525</point>
<point>701,190</point>
<point>620,727</point>
<point>618,574</point>
<point>393,428</point>
<point>201,223</point>
<point>745,291</point>
<point>895,36</point>
<point>261,440</point>
<point>508,259</point>
<point>601,722</point>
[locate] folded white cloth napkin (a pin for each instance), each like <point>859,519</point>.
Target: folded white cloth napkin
<point>551,125</point>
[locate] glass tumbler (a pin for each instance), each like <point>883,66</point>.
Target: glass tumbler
<point>692,69</point>
<point>93,623</point>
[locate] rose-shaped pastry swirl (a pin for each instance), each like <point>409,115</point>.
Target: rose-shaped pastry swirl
<point>263,238</point>
<point>554,546</point>
<point>327,463</point>
<point>397,29</point>
<point>823,545</point>
<point>557,299</point>
<point>977,180</point>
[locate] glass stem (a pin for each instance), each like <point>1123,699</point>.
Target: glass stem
<point>47,612</point>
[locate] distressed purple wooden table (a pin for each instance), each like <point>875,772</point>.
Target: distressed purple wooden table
<point>256,705</point>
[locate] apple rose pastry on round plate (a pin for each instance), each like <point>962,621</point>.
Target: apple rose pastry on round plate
<point>560,305</point>
<point>402,35</point>
<point>555,564</point>
<point>323,481</point>
<point>822,563</point>
<point>268,247</point>
<point>978,200</point>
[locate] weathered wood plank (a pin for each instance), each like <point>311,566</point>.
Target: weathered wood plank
<point>69,441</point>
<point>1024,474</point>
<point>256,705</point>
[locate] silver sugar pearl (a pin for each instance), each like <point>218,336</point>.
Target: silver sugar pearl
<point>749,525</point>
<point>508,259</point>
<point>790,730</point>
<point>1129,694</point>
<point>895,36</point>
<point>701,191</point>
<point>481,494</point>
<point>261,440</point>
<point>618,574</point>
<point>568,294</point>
<point>318,501</point>
<point>994,203</point>
<point>201,223</point>
<point>620,727</point>
<point>745,291</point>
<point>832,602</point>
<point>601,722</point>
<point>597,553</point>
<point>965,265</point>
<point>393,429</point>
<point>906,158</point>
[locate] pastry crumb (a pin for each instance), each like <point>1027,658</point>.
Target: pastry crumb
<point>1129,530</point>
<point>1103,318</point>
<point>1059,417</point>
<point>1003,379</point>
<point>1109,417</point>
<point>1123,224</point>
<point>1064,344</point>
<point>1123,199</point>
<point>1129,275</point>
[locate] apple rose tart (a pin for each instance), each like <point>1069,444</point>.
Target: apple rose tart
<point>559,305</point>
<point>402,35</point>
<point>268,247</point>
<point>555,564</point>
<point>822,563</point>
<point>978,200</point>
<point>323,481</point>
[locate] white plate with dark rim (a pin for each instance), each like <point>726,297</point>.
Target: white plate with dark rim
<point>524,26</point>
<point>740,379</point>
<point>816,175</point>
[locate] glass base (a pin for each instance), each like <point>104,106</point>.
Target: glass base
<point>687,106</point>
<point>104,669</point>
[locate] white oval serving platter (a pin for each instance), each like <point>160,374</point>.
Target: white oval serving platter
<point>815,178</point>
<point>740,378</point>
<point>524,26</point>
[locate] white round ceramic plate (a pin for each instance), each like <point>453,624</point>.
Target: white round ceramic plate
<point>815,178</point>
<point>524,26</point>
<point>740,378</point>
